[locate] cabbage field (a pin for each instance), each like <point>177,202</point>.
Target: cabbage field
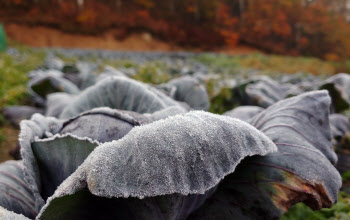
<point>126,135</point>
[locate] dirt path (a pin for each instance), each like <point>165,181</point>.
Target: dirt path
<point>48,37</point>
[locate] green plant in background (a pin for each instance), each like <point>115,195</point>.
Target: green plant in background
<point>2,38</point>
<point>152,73</point>
<point>13,77</point>
<point>220,63</point>
<point>339,211</point>
<point>2,136</point>
<point>268,63</point>
<point>120,63</point>
<point>223,102</point>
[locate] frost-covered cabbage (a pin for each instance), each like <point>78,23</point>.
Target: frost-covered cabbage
<point>339,89</point>
<point>244,113</point>
<point>110,147</point>
<point>340,127</point>
<point>108,163</point>
<point>119,93</point>
<point>110,71</point>
<point>49,82</point>
<point>72,139</point>
<point>56,102</point>
<point>15,114</point>
<point>188,89</point>
<point>263,91</point>
<point>300,171</point>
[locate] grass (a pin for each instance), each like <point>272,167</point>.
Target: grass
<point>268,64</point>
<point>13,79</point>
<point>153,72</point>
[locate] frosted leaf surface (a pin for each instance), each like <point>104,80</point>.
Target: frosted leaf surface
<point>244,113</point>
<point>52,159</point>
<point>339,90</point>
<point>15,114</point>
<point>56,102</point>
<point>53,62</point>
<point>340,125</point>
<point>15,195</point>
<point>87,74</point>
<point>265,187</point>
<point>182,155</point>
<point>110,71</point>
<point>8,215</point>
<point>167,100</point>
<point>306,116</point>
<point>41,73</point>
<point>102,124</point>
<point>164,113</point>
<point>188,89</point>
<point>265,92</point>
<point>41,86</point>
<point>119,93</point>
<point>38,127</point>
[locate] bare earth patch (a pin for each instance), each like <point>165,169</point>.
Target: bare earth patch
<point>39,36</point>
<point>11,138</point>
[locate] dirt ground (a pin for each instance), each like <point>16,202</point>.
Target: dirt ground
<point>39,36</point>
<point>9,143</point>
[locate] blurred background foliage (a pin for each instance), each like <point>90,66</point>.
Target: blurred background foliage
<point>317,28</point>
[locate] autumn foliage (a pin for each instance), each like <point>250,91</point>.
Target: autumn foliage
<point>296,27</point>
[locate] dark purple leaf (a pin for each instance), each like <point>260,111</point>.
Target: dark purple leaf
<point>188,89</point>
<point>339,90</point>
<point>15,195</point>
<point>15,114</point>
<point>119,93</point>
<point>244,113</point>
<point>301,170</point>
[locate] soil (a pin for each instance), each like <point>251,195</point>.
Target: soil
<point>9,143</point>
<point>40,36</point>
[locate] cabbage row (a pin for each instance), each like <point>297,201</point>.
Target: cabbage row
<point>105,146</point>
